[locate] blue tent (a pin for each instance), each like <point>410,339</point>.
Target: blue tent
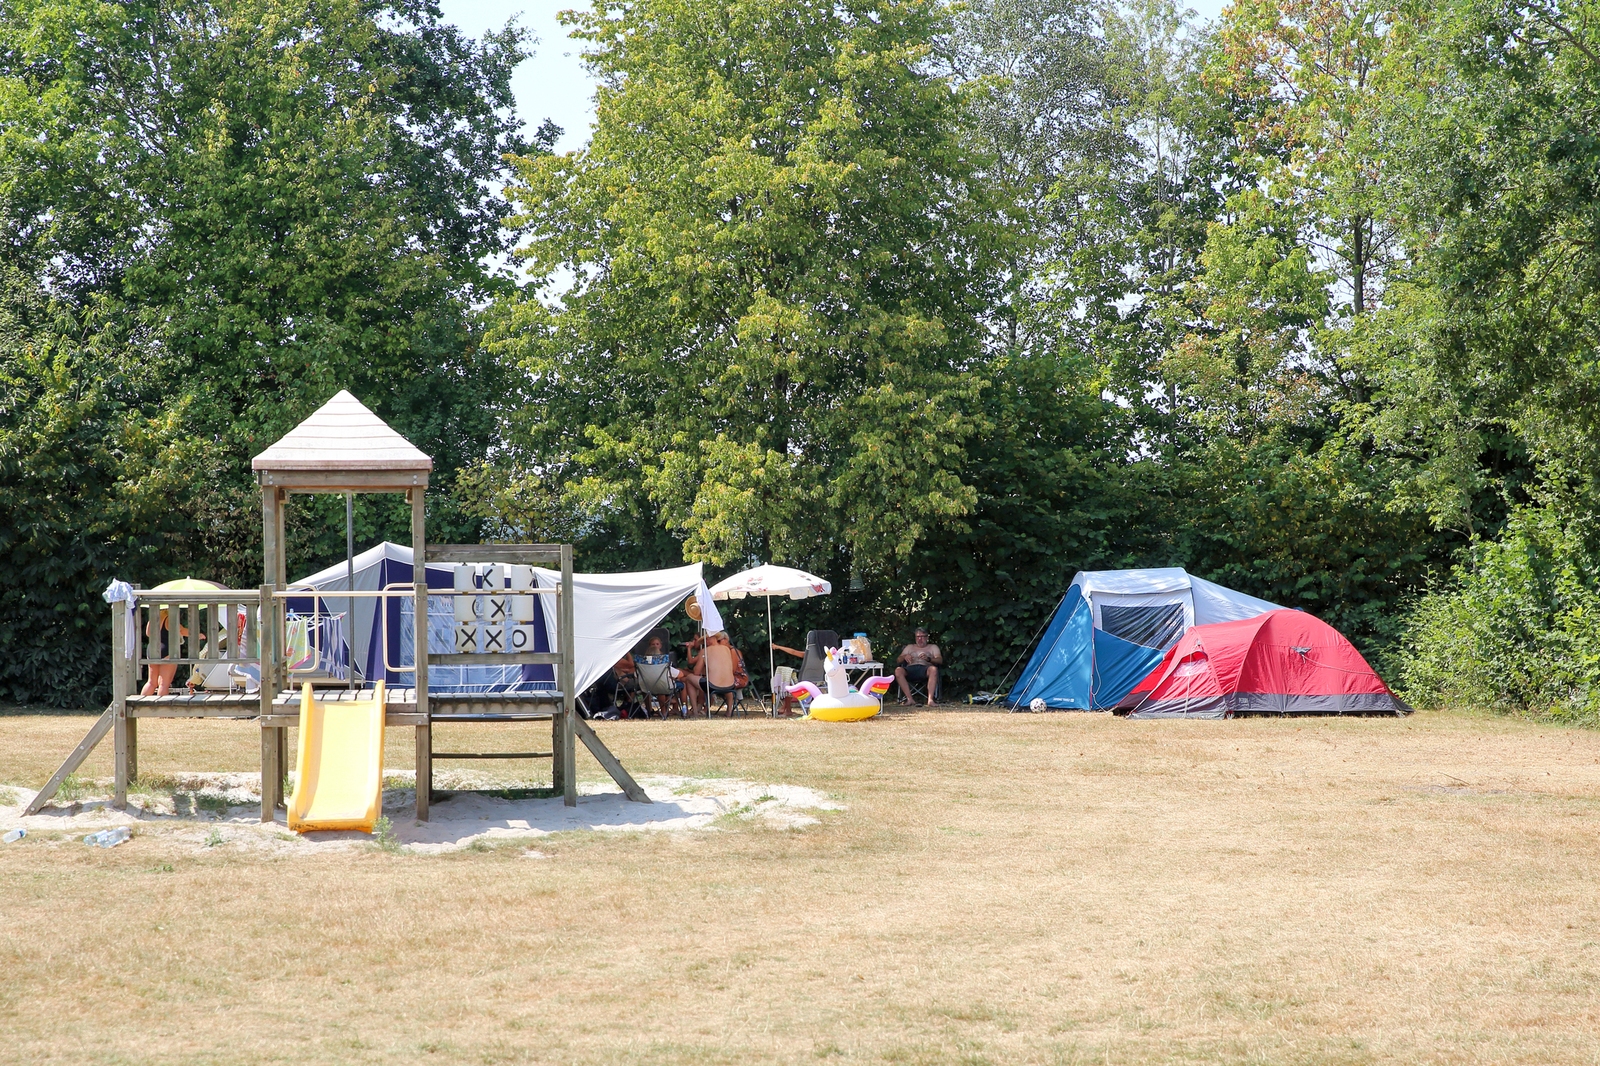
<point>384,630</point>
<point>1113,627</point>
<point>1078,667</point>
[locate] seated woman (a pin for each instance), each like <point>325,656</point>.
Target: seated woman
<point>601,697</point>
<point>626,677</point>
<point>161,677</point>
<point>655,654</point>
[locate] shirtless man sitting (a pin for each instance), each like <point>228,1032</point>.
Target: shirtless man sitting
<point>919,662</point>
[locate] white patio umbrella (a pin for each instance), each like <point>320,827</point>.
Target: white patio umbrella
<point>768,580</point>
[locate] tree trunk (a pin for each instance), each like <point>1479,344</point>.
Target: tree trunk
<point>1358,260</point>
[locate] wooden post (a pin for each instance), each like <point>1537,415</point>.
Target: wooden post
<point>271,773</point>
<point>97,733</point>
<point>281,576</point>
<point>419,575</point>
<point>125,728</point>
<point>270,545</point>
<point>282,732</point>
<point>564,760</point>
<point>609,762</point>
<point>275,572</point>
<point>271,767</point>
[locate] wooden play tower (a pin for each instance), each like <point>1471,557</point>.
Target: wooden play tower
<point>341,448</point>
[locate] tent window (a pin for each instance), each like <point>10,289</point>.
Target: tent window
<point>1154,627</point>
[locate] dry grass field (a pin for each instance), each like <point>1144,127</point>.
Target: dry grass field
<point>998,889</point>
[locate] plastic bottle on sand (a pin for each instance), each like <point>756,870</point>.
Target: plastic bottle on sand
<point>108,838</point>
<point>15,835</point>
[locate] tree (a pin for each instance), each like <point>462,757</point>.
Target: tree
<point>216,215</point>
<point>1316,69</point>
<point>1043,94</point>
<point>1254,274</point>
<point>774,257</point>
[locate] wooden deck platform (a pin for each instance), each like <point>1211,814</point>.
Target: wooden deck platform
<point>539,705</point>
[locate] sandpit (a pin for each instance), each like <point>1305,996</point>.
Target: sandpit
<point>215,810</point>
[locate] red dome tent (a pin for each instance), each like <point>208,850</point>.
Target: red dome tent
<point>1280,662</point>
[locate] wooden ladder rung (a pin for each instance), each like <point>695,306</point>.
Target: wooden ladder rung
<point>492,754</point>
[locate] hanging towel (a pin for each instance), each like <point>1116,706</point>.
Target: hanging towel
<point>122,592</point>
<point>297,643</point>
<point>333,653</point>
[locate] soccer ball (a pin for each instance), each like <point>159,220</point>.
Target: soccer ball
<point>1038,706</point>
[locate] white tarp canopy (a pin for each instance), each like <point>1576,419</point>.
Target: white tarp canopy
<point>614,612</point>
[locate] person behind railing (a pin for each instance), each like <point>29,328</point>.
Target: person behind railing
<point>161,676</point>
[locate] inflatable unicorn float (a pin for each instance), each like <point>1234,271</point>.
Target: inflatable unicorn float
<point>841,704</point>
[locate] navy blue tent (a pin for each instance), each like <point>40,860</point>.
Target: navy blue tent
<point>384,631</point>
<point>1113,627</point>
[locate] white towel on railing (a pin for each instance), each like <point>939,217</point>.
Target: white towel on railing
<point>122,592</point>
<point>333,650</point>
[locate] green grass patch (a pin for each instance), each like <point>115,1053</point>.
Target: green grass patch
<point>153,785</point>
<point>73,788</point>
<point>210,804</point>
<point>383,837</point>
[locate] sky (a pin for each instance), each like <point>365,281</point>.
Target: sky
<point>553,84</point>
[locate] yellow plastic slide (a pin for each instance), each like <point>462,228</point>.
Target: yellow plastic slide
<point>341,764</point>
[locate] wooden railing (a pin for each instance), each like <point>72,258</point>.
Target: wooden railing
<point>196,629</point>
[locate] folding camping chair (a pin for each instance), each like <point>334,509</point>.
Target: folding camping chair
<point>919,689</point>
<point>224,675</point>
<point>654,674</point>
<point>814,668</point>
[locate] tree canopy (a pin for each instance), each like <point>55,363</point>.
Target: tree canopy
<point>945,301</point>
<point>212,217</point>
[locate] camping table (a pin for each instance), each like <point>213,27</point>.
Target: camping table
<point>856,672</point>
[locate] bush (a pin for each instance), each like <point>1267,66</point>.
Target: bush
<point>1518,629</point>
